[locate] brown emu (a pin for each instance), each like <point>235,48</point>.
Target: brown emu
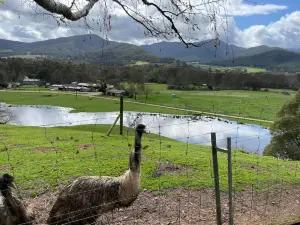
<point>12,211</point>
<point>83,200</point>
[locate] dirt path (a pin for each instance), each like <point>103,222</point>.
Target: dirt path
<point>189,207</point>
<point>160,106</point>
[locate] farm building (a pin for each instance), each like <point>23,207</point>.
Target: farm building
<point>88,87</point>
<point>29,81</point>
<point>74,86</point>
<point>57,87</point>
<point>114,92</point>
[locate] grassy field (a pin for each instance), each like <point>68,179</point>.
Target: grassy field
<point>205,66</point>
<point>252,104</point>
<point>80,104</point>
<point>31,88</point>
<point>44,159</point>
<point>139,63</point>
<point>246,104</point>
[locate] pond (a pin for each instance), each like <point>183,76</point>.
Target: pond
<point>186,128</point>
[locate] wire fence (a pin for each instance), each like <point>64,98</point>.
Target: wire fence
<point>177,179</point>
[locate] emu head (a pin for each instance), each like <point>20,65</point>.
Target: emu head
<point>135,156</point>
<point>140,129</point>
<point>6,182</point>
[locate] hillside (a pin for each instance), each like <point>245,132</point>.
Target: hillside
<point>81,48</point>
<point>94,49</point>
<point>277,58</point>
<point>257,50</point>
<point>205,53</point>
<point>120,54</point>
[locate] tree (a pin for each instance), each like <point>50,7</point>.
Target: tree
<point>145,89</point>
<point>15,66</point>
<point>285,142</point>
<point>160,19</point>
<point>132,90</point>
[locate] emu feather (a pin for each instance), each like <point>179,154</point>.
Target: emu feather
<point>83,200</point>
<point>12,211</point>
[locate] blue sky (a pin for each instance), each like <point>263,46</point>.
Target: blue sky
<point>243,22</point>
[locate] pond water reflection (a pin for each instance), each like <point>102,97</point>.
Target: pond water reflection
<point>194,129</point>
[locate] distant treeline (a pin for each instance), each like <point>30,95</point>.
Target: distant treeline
<point>176,75</point>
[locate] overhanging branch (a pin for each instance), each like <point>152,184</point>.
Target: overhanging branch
<point>178,10</point>
<point>62,9</point>
<point>173,27</point>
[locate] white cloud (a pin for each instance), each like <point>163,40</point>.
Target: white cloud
<point>19,22</point>
<point>4,34</point>
<point>242,8</point>
<point>282,33</point>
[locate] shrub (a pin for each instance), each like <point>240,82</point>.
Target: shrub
<point>285,93</point>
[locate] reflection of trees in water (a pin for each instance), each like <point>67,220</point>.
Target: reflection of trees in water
<point>5,115</point>
<point>133,119</point>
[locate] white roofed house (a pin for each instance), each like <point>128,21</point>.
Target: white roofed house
<point>114,92</point>
<point>30,81</point>
<point>86,87</point>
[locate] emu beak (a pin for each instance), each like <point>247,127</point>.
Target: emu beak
<point>145,131</point>
<point>13,185</point>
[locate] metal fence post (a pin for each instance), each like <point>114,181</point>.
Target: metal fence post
<point>216,177</point>
<point>121,114</point>
<point>230,181</point>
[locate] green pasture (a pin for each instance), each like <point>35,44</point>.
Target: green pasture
<point>43,159</point>
<point>245,104</point>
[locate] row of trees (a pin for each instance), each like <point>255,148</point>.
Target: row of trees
<point>176,76</point>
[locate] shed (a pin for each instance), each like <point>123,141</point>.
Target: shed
<point>114,92</point>
<point>28,81</point>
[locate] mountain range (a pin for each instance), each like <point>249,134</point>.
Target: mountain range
<point>94,49</point>
<point>81,48</point>
<point>206,53</point>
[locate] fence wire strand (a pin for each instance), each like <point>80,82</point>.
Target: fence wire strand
<point>173,185</point>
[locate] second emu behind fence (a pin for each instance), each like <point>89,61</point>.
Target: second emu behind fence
<point>12,211</point>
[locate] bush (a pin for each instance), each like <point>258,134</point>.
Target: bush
<point>285,93</point>
<point>210,87</point>
<point>188,87</point>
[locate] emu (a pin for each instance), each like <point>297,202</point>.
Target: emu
<point>82,201</point>
<point>12,211</point>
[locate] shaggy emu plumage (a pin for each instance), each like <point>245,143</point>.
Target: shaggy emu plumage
<point>82,201</point>
<point>12,211</point>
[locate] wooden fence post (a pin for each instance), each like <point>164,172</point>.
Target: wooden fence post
<point>230,181</point>
<point>121,114</point>
<point>216,177</point>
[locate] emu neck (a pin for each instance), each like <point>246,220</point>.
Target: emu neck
<point>138,140</point>
<point>135,156</point>
<point>16,209</point>
<point>5,191</point>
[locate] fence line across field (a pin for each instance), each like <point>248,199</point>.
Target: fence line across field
<point>229,154</point>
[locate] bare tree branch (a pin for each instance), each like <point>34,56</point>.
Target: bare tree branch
<point>62,9</point>
<point>163,22</point>
<point>171,20</point>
